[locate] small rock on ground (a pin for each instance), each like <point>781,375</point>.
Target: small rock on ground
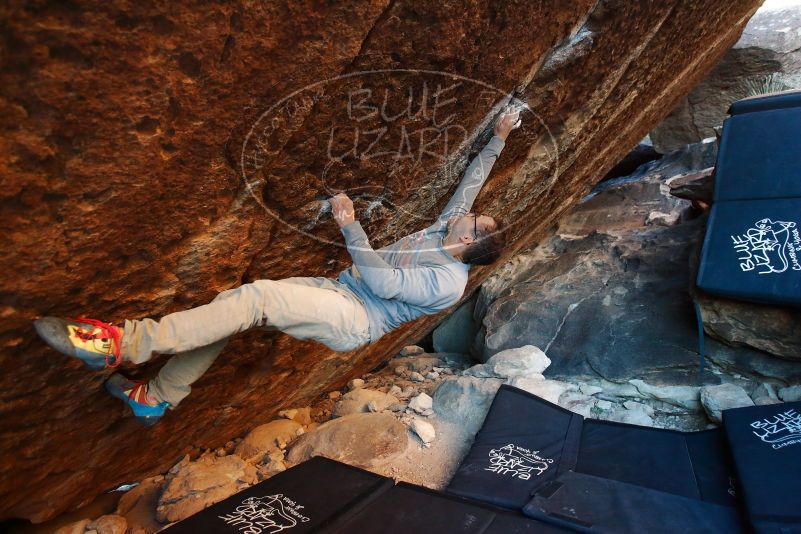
<point>526,361</point>
<point>407,392</point>
<point>765,393</point>
<point>397,407</point>
<point>715,399</point>
<point>424,430</point>
<point>639,406</point>
<point>359,400</point>
<point>421,403</point>
<point>299,415</point>
<point>421,364</point>
<point>356,383</point>
<point>267,438</point>
<point>790,394</point>
<point>108,524</point>
<point>577,403</point>
<point>682,396</point>
<point>465,399</point>
<point>549,390</point>
<point>588,389</point>
<point>603,405</point>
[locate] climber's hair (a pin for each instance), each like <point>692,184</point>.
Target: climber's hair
<point>487,247</point>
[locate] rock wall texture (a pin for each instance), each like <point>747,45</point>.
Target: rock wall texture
<point>767,58</point>
<point>150,158</point>
<point>607,294</point>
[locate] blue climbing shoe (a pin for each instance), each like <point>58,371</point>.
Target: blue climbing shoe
<point>95,343</point>
<point>134,394</point>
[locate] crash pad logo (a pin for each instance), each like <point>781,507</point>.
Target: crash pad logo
<point>518,462</point>
<point>265,515</point>
<point>781,430</point>
<point>769,247</point>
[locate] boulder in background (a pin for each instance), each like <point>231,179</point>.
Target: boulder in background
<point>767,58</point>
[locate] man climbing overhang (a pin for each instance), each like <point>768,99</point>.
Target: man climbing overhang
<point>421,274</point>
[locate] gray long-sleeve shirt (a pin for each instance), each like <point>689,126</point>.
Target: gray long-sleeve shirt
<point>415,275</point>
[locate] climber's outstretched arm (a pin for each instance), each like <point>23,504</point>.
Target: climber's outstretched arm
<point>479,169</point>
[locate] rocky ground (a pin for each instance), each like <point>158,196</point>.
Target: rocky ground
<point>412,420</point>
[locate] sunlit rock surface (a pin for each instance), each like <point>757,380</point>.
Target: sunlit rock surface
<point>149,159</point>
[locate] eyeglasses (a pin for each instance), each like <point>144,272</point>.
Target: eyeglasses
<point>475,226</point>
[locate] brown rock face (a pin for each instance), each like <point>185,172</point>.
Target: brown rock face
<point>153,154</point>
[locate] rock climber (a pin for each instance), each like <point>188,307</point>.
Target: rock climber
<point>422,273</point>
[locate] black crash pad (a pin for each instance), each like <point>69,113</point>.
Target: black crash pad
<point>521,445</point>
<point>752,248</point>
<point>752,251</point>
<point>765,443</point>
<point>509,523</point>
<point>594,504</point>
<point>691,464</point>
<point>405,508</point>
<point>413,509</point>
<point>759,156</point>
<point>324,496</point>
<point>526,442</point>
<point>303,499</point>
<point>779,100</point>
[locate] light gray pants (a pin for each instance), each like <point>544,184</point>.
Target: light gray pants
<point>318,308</point>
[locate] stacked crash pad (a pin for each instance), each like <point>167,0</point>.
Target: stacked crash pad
<point>752,247</point>
<point>324,496</point>
<point>598,476</point>
<point>765,442</point>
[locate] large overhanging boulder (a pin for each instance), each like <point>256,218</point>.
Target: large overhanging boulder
<point>154,154</point>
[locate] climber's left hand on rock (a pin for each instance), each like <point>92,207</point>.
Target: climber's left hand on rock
<point>507,122</point>
<point>342,209</point>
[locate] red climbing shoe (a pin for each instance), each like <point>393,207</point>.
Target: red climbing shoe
<point>95,343</point>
